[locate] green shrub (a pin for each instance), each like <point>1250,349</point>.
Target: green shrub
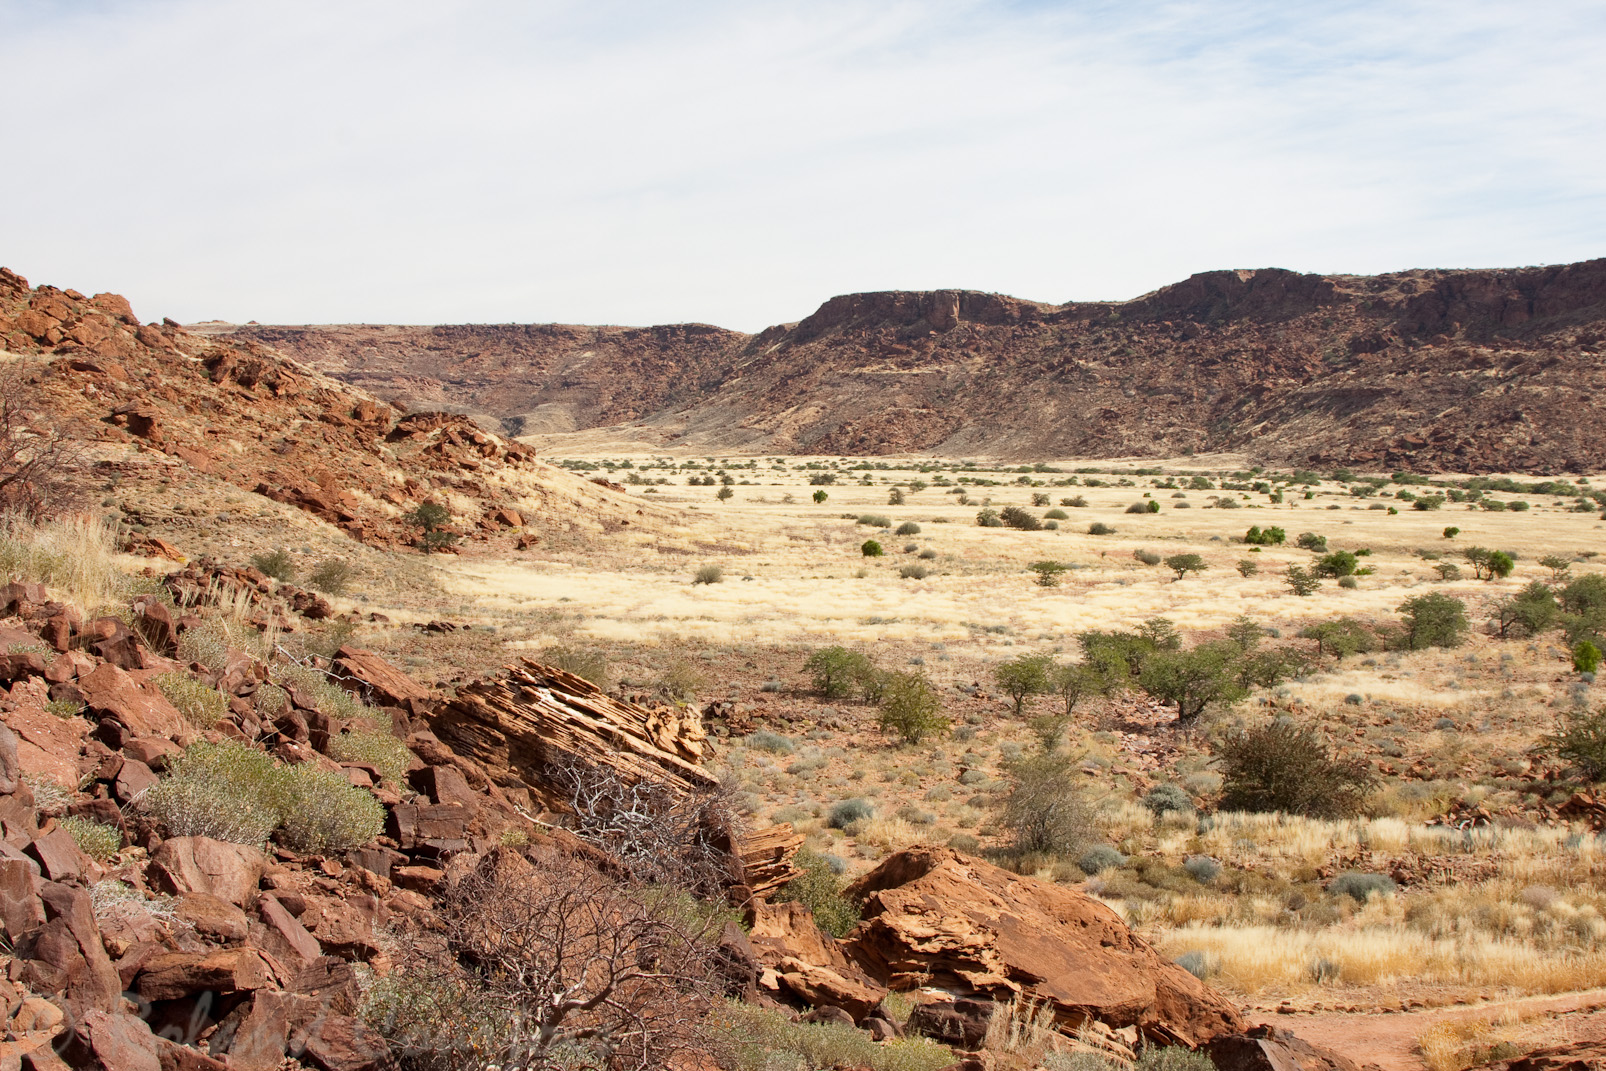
<point>1312,542</point>
<point>1056,514</point>
<point>844,813</point>
<point>818,888</point>
<point>380,750</point>
<point>1147,557</point>
<point>1338,563</point>
<point>1361,886</point>
<point>835,670</point>
<point>1075,502</point>
<point>708,574</point>
<point>911,707</point>
<point>1099,859</point>
<point>1265,537</point>
<point>584,662</point>
<point>875,520</point>
<point>908,528</point>
<point>1016,517</point>
<point>871,549</point>
<point>1349,583</point>
<point>1586,657</point>
<point>1451,532</point>
<point>913,572</point>
<point>1581,740</point>
<point>326,813</point>
<point>99,842</point>
<point>1281,767</point>
<point>1100,528</point>
<point>1447,571</point>
<point>226,791</point>
<point>277,564</point>
<point>1248,567</point>
<point>333,576</point>
<point>1433,620</point>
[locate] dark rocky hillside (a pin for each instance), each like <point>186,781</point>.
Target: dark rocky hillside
<point>1434,370</point>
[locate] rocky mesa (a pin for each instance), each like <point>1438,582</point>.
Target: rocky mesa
<point>1476,370</point>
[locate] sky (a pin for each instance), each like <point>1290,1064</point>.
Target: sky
<point>738,163</point>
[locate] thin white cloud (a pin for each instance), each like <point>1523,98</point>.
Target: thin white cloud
<point>738,163</point>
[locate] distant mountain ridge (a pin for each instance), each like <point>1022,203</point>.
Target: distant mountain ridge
<point>1475,370</point>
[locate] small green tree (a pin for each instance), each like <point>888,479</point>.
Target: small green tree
<point>1248,567</point>
<point>1021,519</point>
<point>895,497</point>
<point>1527,613</point>
<point>1433,620</point>
<point>1193,679</point>
<point>1183,564</point>
<point>1586,657</point>
<point>1560,568</point>
<point>725,494</point>
<point>1301,582</point>
<point>1316,544</point>
<point>988,518</point>
<point>1048,573</point>
<point>911,707</point>
<point>433,517</point>
<point>1488,564</point>
<point>1024,676</point>
<point>1340,638</point>
<point>1075,682</point>
<point>1451,532</point>
<point>836,670</point>
<point>871,549</point>
<point>820,496</point>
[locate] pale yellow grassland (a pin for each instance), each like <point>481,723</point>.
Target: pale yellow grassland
<point>804,559</point>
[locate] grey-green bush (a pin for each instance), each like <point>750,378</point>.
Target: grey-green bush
<point>324,812</point>
<point>1163,798</point>
<point>200,704</point>
<point>1360,886</point>
<point>1099,859</point>
<point>845,812</point>
<point>908,528</point>
<point>226,791</point>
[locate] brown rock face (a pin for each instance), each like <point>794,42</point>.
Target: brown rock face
<point>229,872</point>
<point>933,916</point>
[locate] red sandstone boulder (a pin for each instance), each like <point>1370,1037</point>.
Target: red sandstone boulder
<point>933,916</point>
<point>185,865</point>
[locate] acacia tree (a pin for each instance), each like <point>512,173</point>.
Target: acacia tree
<point>540,960</point>
<point>1195,678</point>
<point>1024,676</point>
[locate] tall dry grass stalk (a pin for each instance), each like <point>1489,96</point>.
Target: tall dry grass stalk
<point>76,558</point>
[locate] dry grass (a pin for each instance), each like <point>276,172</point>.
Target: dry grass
<point>76,558</point>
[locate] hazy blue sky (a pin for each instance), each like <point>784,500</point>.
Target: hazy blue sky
<point>738,163</point>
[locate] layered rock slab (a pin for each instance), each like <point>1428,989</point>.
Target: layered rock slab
<point>936,918</point>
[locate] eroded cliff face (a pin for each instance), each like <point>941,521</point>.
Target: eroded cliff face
<point>1453,370</point>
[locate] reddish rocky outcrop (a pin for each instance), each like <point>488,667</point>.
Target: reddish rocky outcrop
<point>936,917</point>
